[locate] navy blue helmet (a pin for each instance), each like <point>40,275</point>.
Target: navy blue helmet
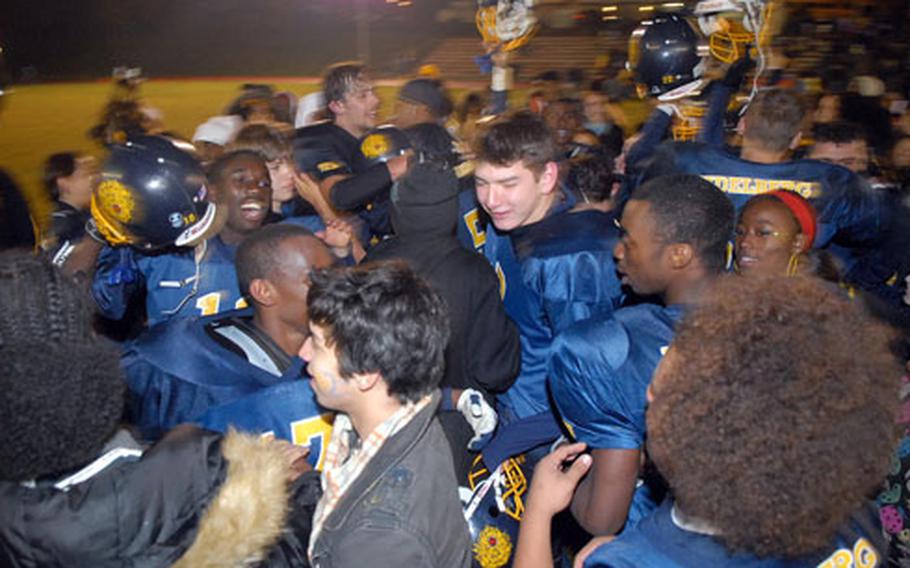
<point>152,195</point>
<point>383,143</point>
<point>664,54</point>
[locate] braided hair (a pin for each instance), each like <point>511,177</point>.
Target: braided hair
<point>62,390</point>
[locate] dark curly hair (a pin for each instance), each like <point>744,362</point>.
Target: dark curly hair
<point>774,415</point>
<point>838,132</point>
<point>62,390</point>
<point>382,317</point>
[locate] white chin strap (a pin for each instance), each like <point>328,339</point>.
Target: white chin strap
<point>192,234</point>
<point>687,90</point>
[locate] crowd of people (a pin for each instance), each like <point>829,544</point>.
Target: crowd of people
<point>529,338</point>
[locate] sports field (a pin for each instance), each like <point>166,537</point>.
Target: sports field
<point>38,120</point>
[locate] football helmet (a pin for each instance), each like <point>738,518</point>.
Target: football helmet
<point>494,510</point>
<point>507,24</point>
<point>665,57</point>
<point>383,143</point>
<point>152,195</point>
<point>731,26</point>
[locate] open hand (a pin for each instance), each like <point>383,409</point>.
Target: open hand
<point>556,477</point>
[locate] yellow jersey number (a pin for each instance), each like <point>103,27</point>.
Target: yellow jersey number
<point>315,433</point>
<point>209,304</point>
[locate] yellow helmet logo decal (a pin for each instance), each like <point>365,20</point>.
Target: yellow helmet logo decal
<point>115,200</point>
<point>374,145</point>
<point>328,166</point>
<point>492,548</point>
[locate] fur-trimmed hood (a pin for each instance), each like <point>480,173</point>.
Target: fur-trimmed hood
<point>247,516</point>
<point>194,499</point>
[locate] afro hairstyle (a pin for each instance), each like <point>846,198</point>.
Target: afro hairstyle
<point>773,414</point>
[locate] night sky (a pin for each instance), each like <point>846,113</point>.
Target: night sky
<point>80,39</point>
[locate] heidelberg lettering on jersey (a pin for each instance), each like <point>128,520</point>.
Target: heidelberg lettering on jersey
<point>755,186</point>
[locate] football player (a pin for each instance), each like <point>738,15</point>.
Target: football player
<point>69,179</point>
<point>554,267</point>
<point>131,207</point>
<point>330,151</point>
<point>179,370</point>
<point>760,388</point>
<point>770,129</point>
<point>673,243</point>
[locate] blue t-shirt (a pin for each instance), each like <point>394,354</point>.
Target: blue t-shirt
<point>657,542</point>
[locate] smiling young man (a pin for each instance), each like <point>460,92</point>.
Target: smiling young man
<point>376,355</point>
<point>191,281</point>
<point>674,238</point>
<point>330,151</point>
<point>554,268</point>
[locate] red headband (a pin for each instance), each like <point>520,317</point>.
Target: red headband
<point>802,210</point>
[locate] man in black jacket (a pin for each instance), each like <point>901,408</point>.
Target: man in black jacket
<point>483,355</point>
<point>376,355</point>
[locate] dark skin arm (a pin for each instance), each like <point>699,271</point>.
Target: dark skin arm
<point>601,502</point>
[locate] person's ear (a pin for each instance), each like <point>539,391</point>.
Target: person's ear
<point>741,126</point>
<point>681,254</point>
<point>366,381</point>
<point>263,292</point>
<point>548,178</point>
<point>337,107</point>
<point>794,144</point>
<point>63,184</point>
<point>211,192</point>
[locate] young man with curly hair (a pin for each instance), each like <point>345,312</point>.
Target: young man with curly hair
<point>770,431</point>
<point>672,246</point>
<point>376,355</point>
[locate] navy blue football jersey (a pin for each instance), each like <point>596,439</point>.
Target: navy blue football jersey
<point>600,370</point>
<point>551,274</point>
<point>174,288</point>
<point>471,229</point>
<point>846,207</point>
<point>659,542</point>
<point>324,150</point>
<point>179,369</point>
<point>287,410</point>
